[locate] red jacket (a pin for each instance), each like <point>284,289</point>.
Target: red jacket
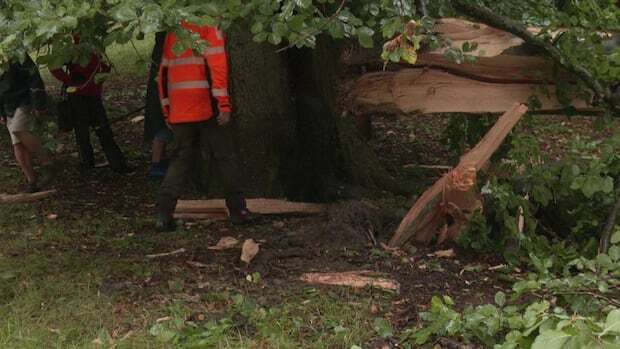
<point>187,83</point>
<point>83,78</point>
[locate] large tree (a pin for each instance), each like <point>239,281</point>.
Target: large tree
<point>284,62</point>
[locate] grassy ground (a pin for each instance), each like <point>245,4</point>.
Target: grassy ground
<point>74,271</point>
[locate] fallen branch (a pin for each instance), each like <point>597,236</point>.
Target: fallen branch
<point>487,16</point>
<point>355,279</point>
<point>6,199</point>
<point>167,254</point>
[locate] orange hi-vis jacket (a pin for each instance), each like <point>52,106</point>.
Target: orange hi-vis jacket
<point>187,83</point>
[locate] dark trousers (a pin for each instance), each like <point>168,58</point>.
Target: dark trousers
<point>88,111</point>
<point>206,138</point>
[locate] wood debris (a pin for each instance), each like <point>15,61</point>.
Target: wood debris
<point>446,206</point>
<point>6,199</point>
<point>355,279</point>
<point>445,253</point>
<point>167,254</point>
<point>216,209</point>
<point>225,243</point>
<point>249,250</point>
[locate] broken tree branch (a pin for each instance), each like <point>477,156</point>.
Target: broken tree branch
<point>485,15</point>
<point>452,194</point>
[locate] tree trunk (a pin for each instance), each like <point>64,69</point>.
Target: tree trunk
<point>293,141</point>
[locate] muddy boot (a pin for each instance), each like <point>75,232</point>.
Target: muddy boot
<point>241,217</point>
<point>32,187</point>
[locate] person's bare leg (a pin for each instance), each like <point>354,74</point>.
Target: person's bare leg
<point>34,147</point>
<point>158,150</point>
<point>24,160</point>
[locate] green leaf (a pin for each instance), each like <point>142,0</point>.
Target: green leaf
<point>616,237</point>
<point>500,299</point>
<point>551,339</point>
<point>383,328</point>
<point>364,35</point>
<point>614,253</point>
<point>612,325</point>
<point>162,333</point>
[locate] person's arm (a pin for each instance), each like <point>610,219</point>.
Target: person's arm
<point>61,75</point>
<point>36,85</point>
<point>217,61</point>
<point>162,85</point>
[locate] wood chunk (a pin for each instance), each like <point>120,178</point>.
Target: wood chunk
<point>434,91</point>
<point>428,215</point>
<point>23,198</point>
<point>355,279</point>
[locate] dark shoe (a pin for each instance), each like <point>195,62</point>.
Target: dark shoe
<point>156,170</point>
<point>124,170</point>
<point>241,217</point>
<point>165,223</point>
<point>48,174</point>
<point>32,188</point>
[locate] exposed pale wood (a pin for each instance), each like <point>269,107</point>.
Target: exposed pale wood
<point>261,206</point>
<point>424,215</point>
<point>25,198</point>
<point>498,69</point>
<point>166,254</point>
<point>432,91</point>
<point>355,279</point>
<point>491,41</point>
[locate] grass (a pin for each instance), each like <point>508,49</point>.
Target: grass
<point>52,295</point>
<point>79,281</point>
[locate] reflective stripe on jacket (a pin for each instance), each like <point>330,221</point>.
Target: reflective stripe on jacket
<point>187,83</point>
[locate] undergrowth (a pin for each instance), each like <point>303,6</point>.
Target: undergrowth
<point>544,216</point>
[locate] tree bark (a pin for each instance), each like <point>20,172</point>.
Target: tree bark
<point>293,140</point>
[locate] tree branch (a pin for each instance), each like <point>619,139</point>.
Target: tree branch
<point>486,16</point>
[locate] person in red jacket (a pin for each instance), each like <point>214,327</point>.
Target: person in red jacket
<point>87,111</point>
<point>194,97</point>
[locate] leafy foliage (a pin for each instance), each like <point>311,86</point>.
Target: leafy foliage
<point>575,308</point>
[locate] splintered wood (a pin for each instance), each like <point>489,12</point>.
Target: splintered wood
<point>7,199</point>
<point>216,209</point>
<point>355,279</point>
<point>436,84</point>
<point>448,204</point>
<point>435,91</point>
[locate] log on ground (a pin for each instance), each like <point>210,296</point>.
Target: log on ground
<point>216,208</point>
<point>428,216</point>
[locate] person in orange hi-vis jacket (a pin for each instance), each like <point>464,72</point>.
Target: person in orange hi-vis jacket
<point>194,97</point>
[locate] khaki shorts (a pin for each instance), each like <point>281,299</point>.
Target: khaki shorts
<point>21,121</point>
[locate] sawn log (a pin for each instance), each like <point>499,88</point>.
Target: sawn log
<point>455,193</point>
<point>216,208</point>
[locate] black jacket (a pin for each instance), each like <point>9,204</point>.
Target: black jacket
<point>21,85</point>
